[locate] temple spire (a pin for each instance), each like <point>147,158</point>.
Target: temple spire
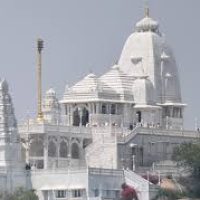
<point>146,9</point>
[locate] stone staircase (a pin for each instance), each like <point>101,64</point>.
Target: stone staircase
<point>144,188</point>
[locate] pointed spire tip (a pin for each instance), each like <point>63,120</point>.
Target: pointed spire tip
<point>146,11</point>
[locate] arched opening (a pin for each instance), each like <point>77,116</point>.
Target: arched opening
<point>36,149</point>
<point>76,118</point>
<point>52,149</point>
<point>104,111</point>
<point>139,116</point>
<point>63,152</point>
<point>75,151</point>
<point>85,117</point>
<point>86,142</point>
<point>113,109</point>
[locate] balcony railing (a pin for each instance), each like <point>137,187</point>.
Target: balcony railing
<point>35,128</point>
<point>105,119</point>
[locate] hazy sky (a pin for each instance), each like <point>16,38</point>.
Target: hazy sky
<point>88,35</point>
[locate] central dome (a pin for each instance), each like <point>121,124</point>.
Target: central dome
<point>147,24</point>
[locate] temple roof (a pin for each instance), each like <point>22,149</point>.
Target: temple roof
<point>145,54</point>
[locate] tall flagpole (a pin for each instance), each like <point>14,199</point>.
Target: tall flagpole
<point>39,80</point>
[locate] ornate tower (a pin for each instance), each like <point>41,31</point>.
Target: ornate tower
<point>146,53</point>
<point>10,151</point>
<point>51,107</point>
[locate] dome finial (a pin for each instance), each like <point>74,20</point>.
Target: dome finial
<point>146,9</point>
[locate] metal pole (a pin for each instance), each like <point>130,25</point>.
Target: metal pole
<point>39,79</point>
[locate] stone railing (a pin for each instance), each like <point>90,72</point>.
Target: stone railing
<point>140,184</point>
<point>105,119</point>
<point>47,128</point>
<point>105,171</point>
<point>74,170</point>
<point>94,198</point>
<point>192,134</point>
<point>126,136</point>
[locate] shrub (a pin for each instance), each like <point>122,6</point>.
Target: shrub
<point>19,194</point>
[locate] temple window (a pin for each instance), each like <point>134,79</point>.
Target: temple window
<point>75,151</point>
<point>66,110</point>
<point>176,112</point>
<point>52,149</point>
<point>76,193</point>
<point>139,116</point>
<point>63,150</point>
<point>95,108</point>
<point>37,148</point>
<point>166,112</point>
<point>96,192</point>
<point>85,116</point>
<point>181,113</point>
<point>60,194</point>
<point>113,109</point>
<point>76,117</point>
<point>104,110</point>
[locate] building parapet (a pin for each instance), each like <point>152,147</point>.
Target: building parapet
<point>125,137</point>
<point>105,120</point>
<point>47,128</point>
<point>102,171</point>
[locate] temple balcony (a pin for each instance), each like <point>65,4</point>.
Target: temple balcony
<point>105,120</point>
<point>46,128</point>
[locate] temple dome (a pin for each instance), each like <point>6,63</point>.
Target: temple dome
<point>146,53</point>
<point>50,92</point>
<point>87,85</point>
<point>147,24</point>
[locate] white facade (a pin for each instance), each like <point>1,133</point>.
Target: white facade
<point>129,117</point>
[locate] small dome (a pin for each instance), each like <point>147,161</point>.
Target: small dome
<point>87,85</point>
<point>51,92</point>
<point>147,24</point>
<point>91,75</point>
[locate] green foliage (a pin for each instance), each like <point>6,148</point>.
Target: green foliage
<point>191,186</point>
<point>188,155</point>
<point>19,194</point>
<point>166,194</point>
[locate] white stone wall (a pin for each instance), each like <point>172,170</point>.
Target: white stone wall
<point>52,180</point>
<point>151,145</point>
<point>102,153</point>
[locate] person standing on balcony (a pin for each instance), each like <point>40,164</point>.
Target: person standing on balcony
<point>128,192</point>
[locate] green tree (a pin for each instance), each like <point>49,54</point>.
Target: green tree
<point>19,194</point>
<point>166,194</point>
<point>188,155</point>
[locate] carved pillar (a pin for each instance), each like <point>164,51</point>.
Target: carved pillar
<point>46,152</point>
<point>81,116</point>
<point>57,151</point>
<point>70,114</point>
